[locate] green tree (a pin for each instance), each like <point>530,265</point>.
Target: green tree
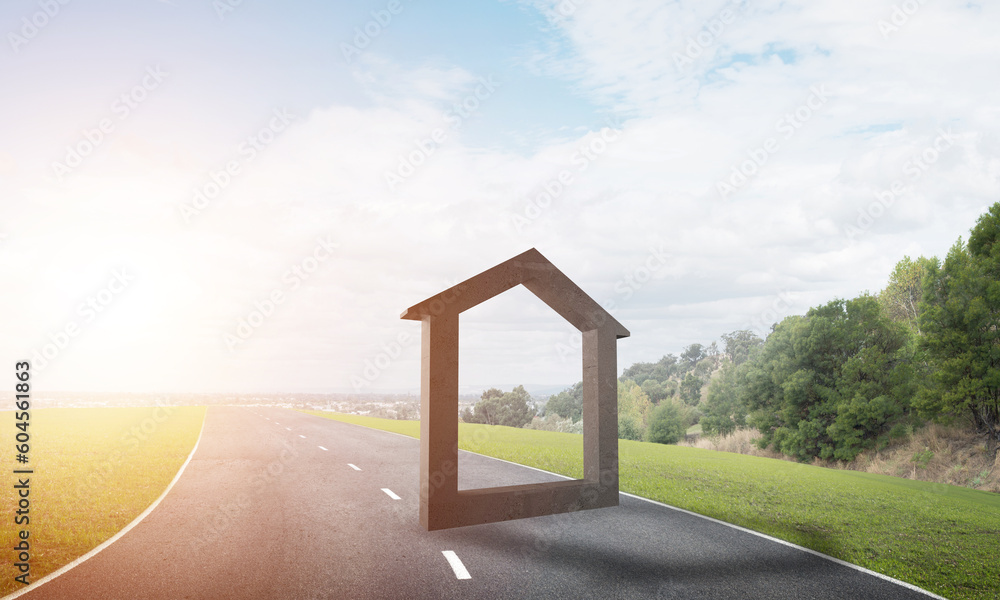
<point>739,344</point>
<point>568,403</point>
<point>484,411</point>
<point>511,409</point>
<point>629,427</point>
<point>832,383</point>
<point>705,367</point>
<point>713,353</point>
<point>667,424</point>
<point>633,410</point>
<point>691,355</point>
<point>690,391</point>
<point>659,371</point>
<point>961,325</point>
<point>903,293</point>
<point>725,408</point>
<point>656,391</point>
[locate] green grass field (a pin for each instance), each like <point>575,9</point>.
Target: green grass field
<point>95,469</point>
<point>942,538</point>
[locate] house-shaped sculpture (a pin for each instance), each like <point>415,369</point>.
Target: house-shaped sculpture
<point>442,505</point>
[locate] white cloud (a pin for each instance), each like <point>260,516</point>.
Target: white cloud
<point>651,185</point>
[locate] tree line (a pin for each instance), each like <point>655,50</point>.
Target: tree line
<point>849,375</point>
<point>853,374</point>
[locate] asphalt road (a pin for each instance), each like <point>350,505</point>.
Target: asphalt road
<point>270,506</point>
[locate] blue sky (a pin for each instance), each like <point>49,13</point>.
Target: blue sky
<point>766,157</point>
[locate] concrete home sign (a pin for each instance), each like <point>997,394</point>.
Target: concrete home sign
<point>442,505</point>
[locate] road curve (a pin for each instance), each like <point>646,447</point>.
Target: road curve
<point>280,504</point>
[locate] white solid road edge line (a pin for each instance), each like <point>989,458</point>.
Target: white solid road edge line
<point>116,536</point>
<point>796,546</point>
<point>391,493</point>
<point>750,531</point>
<point>355,467</point>
<point>456,565</point>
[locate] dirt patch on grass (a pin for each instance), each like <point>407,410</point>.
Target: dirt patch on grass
<point>741,442</point>
<point>954,455</point>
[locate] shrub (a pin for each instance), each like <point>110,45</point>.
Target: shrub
<point>667,424</point>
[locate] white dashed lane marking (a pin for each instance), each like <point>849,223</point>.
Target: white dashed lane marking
<point>391,493</point>
<point>355,467</point>
<point>456,565</point>
<point>322,448</point>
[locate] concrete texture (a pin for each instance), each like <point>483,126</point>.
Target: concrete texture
<point>442,505</point>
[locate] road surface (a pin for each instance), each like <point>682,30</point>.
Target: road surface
<point>279,504</point>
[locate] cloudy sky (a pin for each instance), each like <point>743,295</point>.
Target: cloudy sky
<point>232,195</point>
